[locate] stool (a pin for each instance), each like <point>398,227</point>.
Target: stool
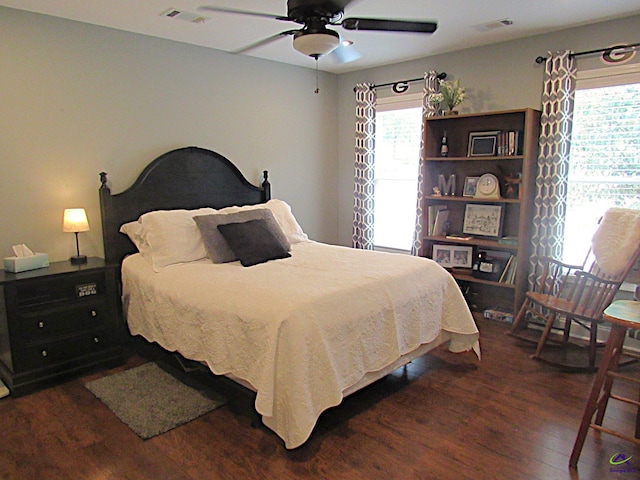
<point>622,314</point>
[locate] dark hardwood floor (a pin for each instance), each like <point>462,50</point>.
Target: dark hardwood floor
<point>446,416</point>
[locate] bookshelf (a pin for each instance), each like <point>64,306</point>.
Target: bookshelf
<point>514,164</point>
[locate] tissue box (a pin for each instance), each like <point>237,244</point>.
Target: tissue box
<point>22,264</point>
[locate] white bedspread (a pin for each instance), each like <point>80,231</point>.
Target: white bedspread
<point>299,330</point>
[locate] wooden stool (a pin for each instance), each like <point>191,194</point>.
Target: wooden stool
<point>622,314</point>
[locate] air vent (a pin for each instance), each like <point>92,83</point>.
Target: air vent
<point>486,27</point>
<point>184,16</point>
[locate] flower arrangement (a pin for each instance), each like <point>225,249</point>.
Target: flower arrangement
<point>451,94</point>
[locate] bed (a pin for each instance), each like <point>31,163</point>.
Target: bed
<point>302,329</point>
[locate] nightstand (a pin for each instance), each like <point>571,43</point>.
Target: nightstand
<point>58,322</point>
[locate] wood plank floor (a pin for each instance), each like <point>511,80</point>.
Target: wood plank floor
<point>444,417</point>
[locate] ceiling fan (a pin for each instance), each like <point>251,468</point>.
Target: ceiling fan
<point>314,38</point>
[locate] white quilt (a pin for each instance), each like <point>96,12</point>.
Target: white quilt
<point>299,330</point>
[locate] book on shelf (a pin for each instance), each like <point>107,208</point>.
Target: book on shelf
<point>508,240</point>
<point>509,272</point>
<point>459,236</point>
<point>440,224</point>
<point>432,211</point>
<point>511,277</point>
<point>506,268</point>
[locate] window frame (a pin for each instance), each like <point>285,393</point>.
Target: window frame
<point>609,77</point>
<point>403,101</point>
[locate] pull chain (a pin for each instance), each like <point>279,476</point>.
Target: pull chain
<point>317,90</point>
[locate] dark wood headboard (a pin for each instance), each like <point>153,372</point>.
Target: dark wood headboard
<point>188,178</point>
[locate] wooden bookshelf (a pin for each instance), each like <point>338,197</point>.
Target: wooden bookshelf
<point>517,212</point>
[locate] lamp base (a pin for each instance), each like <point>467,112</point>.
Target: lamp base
<point>78,259</point>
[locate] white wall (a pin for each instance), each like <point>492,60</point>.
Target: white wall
<point>77,99</point>
<point>497,77</point>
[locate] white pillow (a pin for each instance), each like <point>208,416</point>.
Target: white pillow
<point>288,223</point>
<point>173,236</point>
<point>135,232</point>
<point>284,216</point>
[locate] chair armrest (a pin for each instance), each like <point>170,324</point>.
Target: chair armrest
<point>554,274</point>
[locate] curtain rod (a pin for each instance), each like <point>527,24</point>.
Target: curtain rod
<point>599,50</point>
<point>401,85</point>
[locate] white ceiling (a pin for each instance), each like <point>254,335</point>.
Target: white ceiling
<point>457,24</point>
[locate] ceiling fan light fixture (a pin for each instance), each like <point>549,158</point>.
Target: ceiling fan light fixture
<point>316,44</point>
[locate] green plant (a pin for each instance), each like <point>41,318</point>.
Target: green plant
<point>451,94</point>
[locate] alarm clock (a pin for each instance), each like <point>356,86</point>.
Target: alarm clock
<point>488,187</point>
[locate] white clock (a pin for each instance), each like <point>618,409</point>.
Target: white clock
<point>488,187</point>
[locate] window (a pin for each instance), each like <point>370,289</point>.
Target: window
<point>604,169</point>
<point>397,159</point>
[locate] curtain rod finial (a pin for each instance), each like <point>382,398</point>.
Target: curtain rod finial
<point>540,60</point>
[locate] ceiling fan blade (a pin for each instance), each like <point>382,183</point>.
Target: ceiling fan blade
<point>388,25</point>
<point>265,41</point>
<point>210,8</point>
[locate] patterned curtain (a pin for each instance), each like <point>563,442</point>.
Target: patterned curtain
<point>553,159</point>
<point>362,236</point>
<point>431,85</point>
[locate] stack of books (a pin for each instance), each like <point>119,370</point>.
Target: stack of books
<point>510,143</point>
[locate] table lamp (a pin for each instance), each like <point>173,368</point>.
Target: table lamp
<point>75,220</point>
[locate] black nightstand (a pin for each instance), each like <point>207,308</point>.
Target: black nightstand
<point>58,322</point>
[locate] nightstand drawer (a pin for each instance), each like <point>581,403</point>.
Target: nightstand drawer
<point>51,353</point>
<point>41,326</point>
<point>65,289</point>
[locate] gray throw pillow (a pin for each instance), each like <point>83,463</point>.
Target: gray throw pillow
<point>215,244</point>
<point>253,242</point>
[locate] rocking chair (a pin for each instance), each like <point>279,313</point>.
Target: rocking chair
<point>565,294</point>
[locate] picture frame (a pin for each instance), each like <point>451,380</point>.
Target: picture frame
<point>470,185</point>
<point>462,256</point>
<point>483,220</point>
<point>443,255</point>
<point>453,256</point>
<point>483,144</point>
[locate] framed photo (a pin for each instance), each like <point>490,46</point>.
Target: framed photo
<point>470,184</point>
<point>483,220</point>
<point>483,144</point>
<point>462,257</point>
<point>443,254</point>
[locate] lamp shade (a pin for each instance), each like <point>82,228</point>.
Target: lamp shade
<point>316,44</point>
<point>75,220</point>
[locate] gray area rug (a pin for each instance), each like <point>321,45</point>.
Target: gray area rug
<point>151,401</point>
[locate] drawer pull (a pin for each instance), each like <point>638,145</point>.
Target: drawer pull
<point>96,340</point>
<point>94,313</point>
<point>40,324</point>
<point>44,353</point>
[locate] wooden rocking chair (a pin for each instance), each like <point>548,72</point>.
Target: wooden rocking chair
<point>565,294</point>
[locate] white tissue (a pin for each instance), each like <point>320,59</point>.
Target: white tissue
<point>22,250</point>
